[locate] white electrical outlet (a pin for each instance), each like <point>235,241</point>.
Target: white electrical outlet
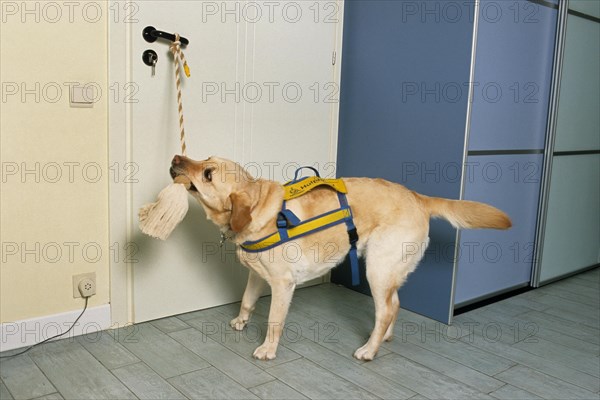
<point>84,285</point>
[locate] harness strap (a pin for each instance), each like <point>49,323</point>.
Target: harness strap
<point>353,237</point>
<point>287,219</point>
<point>298,188</point>
<point>312,225</point>
<point>290,227</point>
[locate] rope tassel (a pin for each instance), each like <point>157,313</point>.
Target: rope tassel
<point>159,219</point>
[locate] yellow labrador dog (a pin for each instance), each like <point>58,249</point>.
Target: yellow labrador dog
<point>391,220</point>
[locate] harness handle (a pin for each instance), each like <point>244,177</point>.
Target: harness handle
<point>301,168</point>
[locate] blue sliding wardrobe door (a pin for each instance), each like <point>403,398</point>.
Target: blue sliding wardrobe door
<point>492,261</point>
<point>513,73</point>
<point>571,238</point>
<point>402,118</point>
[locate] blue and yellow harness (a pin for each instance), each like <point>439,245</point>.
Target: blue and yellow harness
<point>289,226</point>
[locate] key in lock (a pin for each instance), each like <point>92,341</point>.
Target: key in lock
<point>150,58</point>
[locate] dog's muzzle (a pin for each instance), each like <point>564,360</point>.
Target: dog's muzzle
<point>175,174</point>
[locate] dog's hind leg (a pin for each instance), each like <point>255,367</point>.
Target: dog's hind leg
<point>386,272</point>
<point>389,333</point>
<point>254,289</point>
<point>383,291</point>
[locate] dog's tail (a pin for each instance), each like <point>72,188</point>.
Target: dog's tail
<point>466,214</point>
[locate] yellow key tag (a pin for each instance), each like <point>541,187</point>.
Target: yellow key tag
<point>186,69</point>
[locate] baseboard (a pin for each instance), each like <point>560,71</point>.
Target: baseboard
<point>30,331</point>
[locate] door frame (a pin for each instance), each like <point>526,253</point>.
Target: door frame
<point>120,208</point>
<point>122,216</point>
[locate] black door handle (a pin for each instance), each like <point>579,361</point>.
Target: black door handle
<point>150,35</point>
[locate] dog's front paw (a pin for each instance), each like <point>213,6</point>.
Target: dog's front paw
<point>365,353</point>
<point>238,323</point>
<point>265,352</point>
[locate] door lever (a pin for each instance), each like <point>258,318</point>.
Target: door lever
<point>150,34</point>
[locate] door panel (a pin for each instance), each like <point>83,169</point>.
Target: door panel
<point>293,114</point>
<point>185,272</point>
<point>578,118</point>
<point>570,241</point>
<point>492,261</point>
<point>395,124</point>
<point>513,70</point>
<point>572,235</point>
<point>228,54</point>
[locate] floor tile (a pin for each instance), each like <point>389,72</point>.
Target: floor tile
<point>216,326</point>
<point>170,324</point>
<point>545,320</point>
<point>352,372</point>
<point>145,383</point>
<point>422,380</point>
<point>276,390</point>
<point>563,294</point>
<point>519,356</point>
<point>463,353</point>
<point>543,385</point>
<point>52,396</point>
<point>210,383</point>
<point>518,329</point>
<point>445,366</point>
<point>555,302</point>
<point>571,286</point>
<point>106,348</point>
<point>509,392</point>
<point>161,352</point>
<point>557,353</point>
<point>225,360</point>
<point>24,378</point>
<point>586,315</point>
<point>4,393</point>
<point>76,373</point>
<point>316,382</point>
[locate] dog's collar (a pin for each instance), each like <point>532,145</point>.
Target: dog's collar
<point>224,238</point>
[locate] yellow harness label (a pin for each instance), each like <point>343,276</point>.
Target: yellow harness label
<point>299,188</point>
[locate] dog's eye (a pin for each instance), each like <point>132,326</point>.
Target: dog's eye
<point>208,174</point>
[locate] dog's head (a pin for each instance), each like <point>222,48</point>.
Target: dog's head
<point>227,192</point>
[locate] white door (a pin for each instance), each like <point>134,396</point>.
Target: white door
<point>263,91</point>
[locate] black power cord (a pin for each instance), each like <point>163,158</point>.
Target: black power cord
<point>52,337</point>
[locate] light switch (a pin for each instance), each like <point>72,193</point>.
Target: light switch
<point>82,97</point>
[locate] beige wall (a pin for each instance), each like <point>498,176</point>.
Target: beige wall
<point>62,207</point>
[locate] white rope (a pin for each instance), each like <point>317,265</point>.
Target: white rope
<point>160,218</point>
<point>178,55</point>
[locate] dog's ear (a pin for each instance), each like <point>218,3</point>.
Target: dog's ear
<point>241,207</point>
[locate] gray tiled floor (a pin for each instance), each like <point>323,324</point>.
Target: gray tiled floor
<point>541,344</point>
